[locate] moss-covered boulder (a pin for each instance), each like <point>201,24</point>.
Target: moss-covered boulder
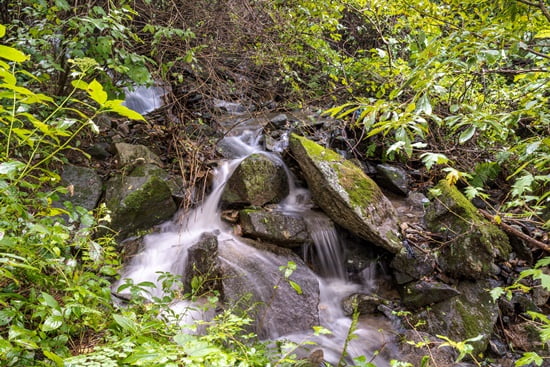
<point>347,195</point>
<point>426,292</point>
<point>465,316</point>
<point>472,243</point>
<point>258,180</point>
<point>274,227</point>
<point>138,200</point>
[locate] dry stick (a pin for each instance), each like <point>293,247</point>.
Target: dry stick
<point>515,232</point>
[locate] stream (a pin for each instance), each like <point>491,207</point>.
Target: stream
<point>166,252</point>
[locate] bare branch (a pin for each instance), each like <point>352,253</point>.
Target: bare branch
<point>513,71</point>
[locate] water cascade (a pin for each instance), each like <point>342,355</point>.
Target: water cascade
<point>166,251</point>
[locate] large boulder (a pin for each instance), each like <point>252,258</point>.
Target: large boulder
<point>465,316</point>
<point>472,243</point>
<point>274,227</point>
<point>84,186</point>
<point>129,155</point>
<point>202,273</point>
<point>139,200</point>
<point>258,180</point>
<point>426,292</point>
<point>347,195</point>
<point>253,270</point>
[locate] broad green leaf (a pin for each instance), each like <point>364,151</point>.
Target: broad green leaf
<point>116,106</point>
<point>12,54</point>
<point>423,105</point>
<point>96,92</point>
<point>6,316</point>
<point>125,323</point>
<point>543,33</point>
<point>295,286</point>
<point>52,322</point>
<point>79,84</point>
<point>430,159</point>
<point>496,293</point>
<point>528,358</point>
<point>11,167</point>
<point>543,262</point>
<point>49,301</point>
<point>467,134</point>
<point>8,77</point>
<point>54,358</point>
<point>2,30</point>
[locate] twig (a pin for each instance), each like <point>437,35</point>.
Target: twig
<point>515,232</point>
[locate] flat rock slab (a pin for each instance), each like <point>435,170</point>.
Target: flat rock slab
<point>274,227</point>
<point>347,195</point>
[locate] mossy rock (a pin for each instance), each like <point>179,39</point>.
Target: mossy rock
<point>472,243</point>
<point>465,316</point>
<point>348,196</point>
<point>258,180</point>
<point>138,202</point>
<point>274,227</point>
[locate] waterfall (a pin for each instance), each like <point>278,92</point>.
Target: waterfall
<point>167,252</point>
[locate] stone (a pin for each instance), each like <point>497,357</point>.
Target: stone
<point>258,180</point>
<point>274,227</point>
<point>411,264</point>
<point>253,273</point>
<point>277,122</point>
<point>347,195</point>
<point>465,316</point>
<point>393,178</point>
<point>100,151</point>
<point>131,155</point>
<point>423,293</point>
<point>139,200</point>
<point>472,243</point>
<point>202,273</point>
<point>84,184</point>
<point>417,344</point>
<point>365,304</point>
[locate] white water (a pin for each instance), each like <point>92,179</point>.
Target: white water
<point>167,252</point>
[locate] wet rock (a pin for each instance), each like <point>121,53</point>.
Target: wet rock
<point>277,122</point>
<point>423,293</point>
<point>274,227</point>
<point>393,178</point>
<point>100,151</point>
<point>130,155</point>
<point>411,264</point>
<point>257,181</point>
<point>230,107</point>
<point>84,185</point>
<point>473,244</point>
<point>465,316</point>
<point>139,200</point>
<point>415,345</point>
<point>364,304</point>
<point>202,272</point>
<point>254,274</point>
<point>347,195</point>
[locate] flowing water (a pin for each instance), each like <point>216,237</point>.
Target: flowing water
<point>167,252</point>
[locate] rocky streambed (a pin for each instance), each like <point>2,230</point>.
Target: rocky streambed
<point>417,264</point>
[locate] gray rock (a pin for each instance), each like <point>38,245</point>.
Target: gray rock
<point>347,195</point>
<point>274,227</point>
<point>131,155</point>
<point>257,181</point>
<point>278,122</point>
<point>393,178</point>
<point>202,272</point>
<point>411,264</point>
<point>84,185</point>
<point>100,151</point>
<point>138,201</point>
<point>364,303</point>
<point>254,274</point>
<point>423,293</point>
<point>472,243</point>
<point>465,316</point>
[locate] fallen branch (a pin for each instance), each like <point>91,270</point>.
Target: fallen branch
<point>509,229</point>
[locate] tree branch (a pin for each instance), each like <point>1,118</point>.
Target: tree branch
<point>545,11</point>
<point>513,71</point>
<point>511,230</point>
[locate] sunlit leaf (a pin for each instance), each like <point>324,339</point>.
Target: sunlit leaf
<point>295,286</point>
<point>467,134</point>
<point>12,54</point>
<point>116,106</point>
<point>96,92</point>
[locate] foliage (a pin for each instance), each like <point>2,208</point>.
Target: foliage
<point>53,34</point>
<point>537,274</point>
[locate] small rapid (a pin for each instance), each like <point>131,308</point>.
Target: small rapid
<point>259,269</point>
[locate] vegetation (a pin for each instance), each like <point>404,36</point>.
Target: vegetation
<point>455,88</point>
